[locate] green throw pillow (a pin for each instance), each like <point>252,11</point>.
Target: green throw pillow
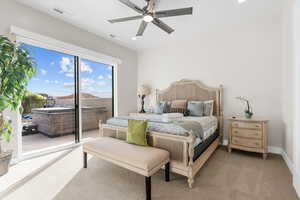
<point>137,132</point>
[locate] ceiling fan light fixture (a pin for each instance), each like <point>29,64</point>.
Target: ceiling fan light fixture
<point>241,1</point>
<point>148,18</point>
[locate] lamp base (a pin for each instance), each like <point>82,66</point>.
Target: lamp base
<point>142,104</point>
<point>142,111</point>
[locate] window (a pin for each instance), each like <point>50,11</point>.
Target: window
<point>96,95</point>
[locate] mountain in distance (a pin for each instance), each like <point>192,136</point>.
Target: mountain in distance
<point>83,95</point>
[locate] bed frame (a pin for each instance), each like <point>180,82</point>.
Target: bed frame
<point>181,148</point>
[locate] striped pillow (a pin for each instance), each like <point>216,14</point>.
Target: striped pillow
<point>208,108</point>
<point>179,106</point>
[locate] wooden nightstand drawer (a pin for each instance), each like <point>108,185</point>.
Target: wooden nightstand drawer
<point>247,133</point>
<point>246,125</point>
<point>247,142</point>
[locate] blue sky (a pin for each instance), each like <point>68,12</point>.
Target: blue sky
<point>55,74</point>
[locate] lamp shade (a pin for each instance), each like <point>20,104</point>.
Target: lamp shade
<point>144,90</point>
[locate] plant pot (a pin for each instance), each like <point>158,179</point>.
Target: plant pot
<point>248,115</point>
<point>5,158</point>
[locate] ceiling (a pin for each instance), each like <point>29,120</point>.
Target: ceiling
<point>209,15</point>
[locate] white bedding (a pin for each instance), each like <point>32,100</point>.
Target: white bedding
<point>208,123</point>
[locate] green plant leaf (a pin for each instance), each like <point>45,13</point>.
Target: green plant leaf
<point>16,68</point>
<point>3,103</point>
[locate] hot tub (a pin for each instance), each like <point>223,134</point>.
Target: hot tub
<point>59,121</point>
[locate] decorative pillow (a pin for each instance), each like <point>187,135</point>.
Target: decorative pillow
<point>160,107</point>
<point>137,132</point>
<point>208,107</point>
<point>196,108</point>
<point>179,106</point>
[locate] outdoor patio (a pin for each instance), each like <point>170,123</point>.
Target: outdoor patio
<point>39,141</point>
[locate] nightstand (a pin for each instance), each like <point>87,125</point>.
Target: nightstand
<point>248,135</point>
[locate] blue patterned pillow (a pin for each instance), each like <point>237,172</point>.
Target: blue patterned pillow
<point>196,108</point>
<point>160,107</point>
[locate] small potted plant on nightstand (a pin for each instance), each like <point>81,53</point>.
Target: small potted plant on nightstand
<point>16,68</point>
<point>248,110</point>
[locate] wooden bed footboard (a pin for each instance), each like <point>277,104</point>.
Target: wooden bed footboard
<point>181,149</point>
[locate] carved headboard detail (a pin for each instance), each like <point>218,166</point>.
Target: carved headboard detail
<point>193,90</point>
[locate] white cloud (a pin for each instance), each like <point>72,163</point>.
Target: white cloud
<point>70,75</point>
<point>70,84</point>
<point>52,82</point>
<point>100,77</point>
<point>85,67</point>
<point>101,83</point>
<point>44,72</point>
<point>52,63</point>
<point>109,76</point>
<point>66,65</point>
<point>86,82</point>
<point>109,68</point>
<point>35,79</point>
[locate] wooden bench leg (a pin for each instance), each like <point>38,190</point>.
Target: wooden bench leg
<point>84,160</point>
<point>148,187</point>
<point>167,172</point>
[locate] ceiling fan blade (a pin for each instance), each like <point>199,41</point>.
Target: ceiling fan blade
<point>132,5</point>
<point>163,26</point>
<point>124,19</point>
<point>142,28</point>
<point>175,12</point>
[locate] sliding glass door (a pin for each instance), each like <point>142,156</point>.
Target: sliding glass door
<point>62,85</point>
<point>96,96</point>
<point>49,117</point>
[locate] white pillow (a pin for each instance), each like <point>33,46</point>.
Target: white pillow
<point>168,117</point>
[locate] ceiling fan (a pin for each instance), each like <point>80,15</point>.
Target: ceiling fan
<point>148,14</point>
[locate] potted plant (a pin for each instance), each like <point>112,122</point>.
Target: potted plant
<point>16,68</point>
<point>248,110</point>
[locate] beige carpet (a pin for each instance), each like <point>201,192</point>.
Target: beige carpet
<point>235,176</point>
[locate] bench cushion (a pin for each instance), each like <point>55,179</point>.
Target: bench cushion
<point>143,160</point>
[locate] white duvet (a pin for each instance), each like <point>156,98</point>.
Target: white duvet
<point>209,125</point>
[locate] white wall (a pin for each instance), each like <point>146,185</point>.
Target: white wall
<point>246,59</point>
<point>288,78</point>
<point>296,137</point>
<point>13,13</point>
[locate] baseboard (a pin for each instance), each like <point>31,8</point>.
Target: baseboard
<point>225,142</point>
<point>288,162</point>
<point>296,182</point>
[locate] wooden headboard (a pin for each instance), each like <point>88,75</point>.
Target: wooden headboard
<point>193,90</point>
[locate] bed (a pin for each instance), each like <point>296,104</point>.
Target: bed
<point>187,153</point>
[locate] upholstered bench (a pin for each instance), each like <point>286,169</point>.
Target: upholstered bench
<point>142,160</point>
